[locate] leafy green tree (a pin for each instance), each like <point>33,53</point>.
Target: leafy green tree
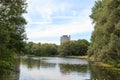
<point>106,35</point>
<point>11,31</point>
<point>66,48</point>
<point>81,47</point>
<point>29,48</point>
<point>49,49</point>
<point>39,49</point>
<point>74,48</point>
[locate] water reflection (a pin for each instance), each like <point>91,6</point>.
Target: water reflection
<point>99,73</point>
<point>55,68</point>
<point>35,63</point>
<point>49,68</point>
<point>69,68</point>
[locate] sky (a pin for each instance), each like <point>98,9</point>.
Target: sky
<point>48,20</point>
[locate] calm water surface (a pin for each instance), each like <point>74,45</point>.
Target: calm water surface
<point>49,68</point>
<point>55,68</point>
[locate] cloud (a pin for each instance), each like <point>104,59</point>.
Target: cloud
<point>77,24</point>
<point>54,30</point>
<point>53,18</point>
<point>45,9</point>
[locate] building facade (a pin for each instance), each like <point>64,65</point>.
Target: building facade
<point>64,38</point>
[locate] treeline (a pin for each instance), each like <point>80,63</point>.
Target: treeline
<point>74,48</point>
<point>70,48</point>
<point>39,49</point>
<point>11,32</point>
<point>105,40</point>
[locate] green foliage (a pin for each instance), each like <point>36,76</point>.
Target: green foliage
<point>11,31</point>
<point>105,40</point>
<point>76,48</point>
<point>66,48</point>
<point>41,49</point>
<point>5,67</point>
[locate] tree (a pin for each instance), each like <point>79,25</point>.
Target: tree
<point>67,48</point>
<point>74,48</point>
<point>39,49</point>
<point>49,49</point>
<point>81,47</point>
<point>11,31</point>
<point>106,35</point>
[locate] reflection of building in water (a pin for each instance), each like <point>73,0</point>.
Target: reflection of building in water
<point>64,38</point>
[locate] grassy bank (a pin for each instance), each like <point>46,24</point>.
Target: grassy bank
<point>97,63</point>
<point>107,66</point>
<point>79,57</point>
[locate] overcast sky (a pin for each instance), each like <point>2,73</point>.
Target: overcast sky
<point>48,20</point>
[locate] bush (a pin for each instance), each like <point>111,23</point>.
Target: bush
<point>4,68</point>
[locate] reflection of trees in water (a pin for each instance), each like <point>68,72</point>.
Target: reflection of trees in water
<point>68,68</point>
<point>100,73</point>
<point>12,76</point>
<point>16,65</point>
<point>36,63</point>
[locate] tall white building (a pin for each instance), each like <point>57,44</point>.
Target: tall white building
<point>64,38</point>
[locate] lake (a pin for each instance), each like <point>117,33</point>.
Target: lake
<point>57,68</point>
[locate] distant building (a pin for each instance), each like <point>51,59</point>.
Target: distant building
<point>64,38</point>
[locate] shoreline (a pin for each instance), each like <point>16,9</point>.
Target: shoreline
<point>97,63</point>
<point>77,57</point>
<point>106,66</point>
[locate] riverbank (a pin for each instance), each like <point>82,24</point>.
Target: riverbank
<point>106,66</point>
<point>78,57</point>
<point>97,63</point>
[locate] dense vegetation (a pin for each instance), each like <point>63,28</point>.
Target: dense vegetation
<point>70,48</point>
<point>11,31</point>
<point>105,40</point>
<point>74,48</point>
<point>40,49</point>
